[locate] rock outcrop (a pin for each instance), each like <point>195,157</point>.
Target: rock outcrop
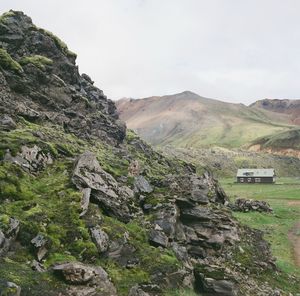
<point>246,205</point>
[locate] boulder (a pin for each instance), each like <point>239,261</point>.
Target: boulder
<point>158,238</point>
<point>105,190</point>
<point>246,205</point>
<point>141,185</point>
<point>31,159</point>
<point>100,238</point>
<point>9,289</point>
<point>7,123</point>
<point>86,280</point>
<point>40,245</point>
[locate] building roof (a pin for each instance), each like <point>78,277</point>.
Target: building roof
<point>255,173</point>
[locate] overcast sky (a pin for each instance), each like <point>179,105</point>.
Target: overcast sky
<point>233,50</point>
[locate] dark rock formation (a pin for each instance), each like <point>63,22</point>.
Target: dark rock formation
<point>49,86</point>
<point>246,205</point>
<point>105,190</point>
<point>87,280</point>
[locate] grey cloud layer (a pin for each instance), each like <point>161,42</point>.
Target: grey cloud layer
<point>234,50</point>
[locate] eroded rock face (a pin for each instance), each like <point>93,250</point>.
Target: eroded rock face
<point>104,189</point>
<point>52,91</point>
<point>86,280</point>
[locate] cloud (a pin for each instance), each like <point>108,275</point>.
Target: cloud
<point>238,51</point>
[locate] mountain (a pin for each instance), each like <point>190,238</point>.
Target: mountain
<point>288,107</point>
<point>88,208</point>
<point>189,120</point>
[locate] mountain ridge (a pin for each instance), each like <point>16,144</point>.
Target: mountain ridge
<point>187,119</point>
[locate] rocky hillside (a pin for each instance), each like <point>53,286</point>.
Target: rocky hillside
<point>188,120</point>
<point>288,107</point>
<point>283,143</point>
<point>87,208</point>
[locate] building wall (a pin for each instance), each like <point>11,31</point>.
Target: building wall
<point>255,180</point>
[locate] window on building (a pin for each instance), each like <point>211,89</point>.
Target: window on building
<point>249,180</point>
<point>257,180</point>
<point>242,180</point>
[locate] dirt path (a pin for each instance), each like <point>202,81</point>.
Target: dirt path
<point>294,237</point>
<point>294,203</point>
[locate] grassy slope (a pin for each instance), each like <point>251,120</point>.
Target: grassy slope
<point>49,204</point>
<point>284,140</point>
<point>277,225</point>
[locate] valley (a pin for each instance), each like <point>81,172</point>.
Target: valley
<point>278,226</point>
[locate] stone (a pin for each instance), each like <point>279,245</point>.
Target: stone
<point>246,205</point>
<point>105,190</point>
<point>7,123</point>
<point>137,291</point>
<point>85,200</point>
<point>87,280</point>
<point>39,244</point>
<point>9,235</point>
<point>100,238</point>
<point>31,159</point>
<point>9,288</point>
<point>158,238</point>
<point>141,185</point>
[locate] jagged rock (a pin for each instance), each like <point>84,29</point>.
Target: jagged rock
<point>246,205</point>
<point>166,219</point>
<point>158,238</point>
<point>9,289</point>
<point>216,283</point>
<point>137,291</point>
<point>104,188</point>
<point>40,245</point>
<point>142,185</point>
<point>7,123</point>
<point>31,159</point>
<point>87,280</point>
<point>100,238</point>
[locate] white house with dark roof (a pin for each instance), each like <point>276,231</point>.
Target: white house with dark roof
<point>256,176</point>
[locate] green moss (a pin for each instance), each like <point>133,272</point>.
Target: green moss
<point>8,63</point>
<point>37,60</point>
<point>6,15</point>
<point>131,135</point>
<point>59,43</point>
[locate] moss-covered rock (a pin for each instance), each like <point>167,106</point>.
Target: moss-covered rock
<point>37,60</point>
<point>8,63</point>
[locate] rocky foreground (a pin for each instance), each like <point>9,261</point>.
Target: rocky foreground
<point>87,208</point>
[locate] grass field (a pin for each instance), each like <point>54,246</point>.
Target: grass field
<point>284,197</point>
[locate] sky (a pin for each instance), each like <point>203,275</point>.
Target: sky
<point>232,50</point>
